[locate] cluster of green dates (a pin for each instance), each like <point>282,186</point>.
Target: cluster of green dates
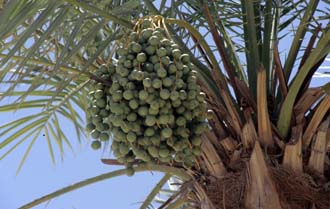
<point>98,112</point>
<point>154,109</point>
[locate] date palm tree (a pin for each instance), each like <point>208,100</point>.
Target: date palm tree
<point>268,141</point>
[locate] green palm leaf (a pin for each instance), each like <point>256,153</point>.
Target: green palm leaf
<point>105,176</point>
<point>56,80</point>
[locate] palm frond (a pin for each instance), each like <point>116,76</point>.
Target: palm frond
<point>155,191</point>
<point>105,176</point>
<point>64,106</point>
<point>299,36</point>
<point>319,52</point>
<point>52,49</point>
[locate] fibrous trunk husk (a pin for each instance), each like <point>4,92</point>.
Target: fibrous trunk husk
<point>261,192</point>
<point>258,184</point>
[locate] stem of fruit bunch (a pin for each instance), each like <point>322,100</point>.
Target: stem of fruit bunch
<point>141,168</point>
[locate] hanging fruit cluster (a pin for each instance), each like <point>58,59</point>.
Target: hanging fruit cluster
<point>154,108</point>
<point>98,112</point>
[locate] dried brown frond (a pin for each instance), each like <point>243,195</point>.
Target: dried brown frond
<point>211,158</point>
<point>261,191</point>
<point>279,73</point>
<point>306,101</point>
<point>293,151</point>
<point>229,144</point>
<point>264,126</point>
<point>317,118</point>
<point>249,134</point>
<point>319,149</point>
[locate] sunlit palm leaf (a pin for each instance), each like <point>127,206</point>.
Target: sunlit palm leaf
<point>48,51</point>
<point>46,120</point>
<point>147,202</point>
<point>105,176</point>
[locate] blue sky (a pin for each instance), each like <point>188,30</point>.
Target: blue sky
<point>39,177</point>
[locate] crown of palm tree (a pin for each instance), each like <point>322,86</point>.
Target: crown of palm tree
<point>258,88</point>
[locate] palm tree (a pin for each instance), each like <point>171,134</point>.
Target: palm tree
<point>267,145</point>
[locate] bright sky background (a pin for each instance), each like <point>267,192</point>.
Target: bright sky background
<point>39,177</point>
